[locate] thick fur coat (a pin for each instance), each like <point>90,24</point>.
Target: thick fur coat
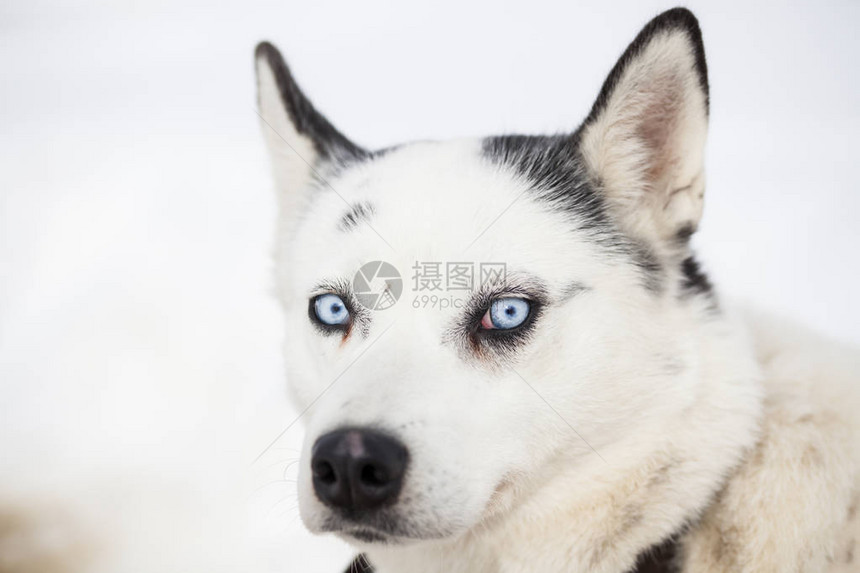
<point>635,422</point>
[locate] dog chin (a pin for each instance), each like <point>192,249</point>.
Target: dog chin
<point>362,535</point>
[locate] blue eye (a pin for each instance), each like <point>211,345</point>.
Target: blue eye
<point>506,313</point>
<point>331,310</point>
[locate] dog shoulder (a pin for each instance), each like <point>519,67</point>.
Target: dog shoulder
<point>792,504</point>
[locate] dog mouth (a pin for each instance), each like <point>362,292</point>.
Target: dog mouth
<point>362,531</point>
<point>366,535</point>
<point>386,530</point>
<point>391,527</point>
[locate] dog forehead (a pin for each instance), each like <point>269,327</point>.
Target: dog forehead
<point>436,194</point>
<point>429,184</point>
<point>433,202</point>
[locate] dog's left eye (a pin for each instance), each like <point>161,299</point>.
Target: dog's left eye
<point>506,314</point>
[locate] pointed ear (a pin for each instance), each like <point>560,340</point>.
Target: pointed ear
<point>644,140</point>
<point>300,140</point>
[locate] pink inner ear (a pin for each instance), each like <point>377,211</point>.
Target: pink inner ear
<point>658,122</point>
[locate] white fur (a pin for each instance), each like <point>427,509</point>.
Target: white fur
<point>629,416</point>
<point>497,460</point>
<point>676,416</point>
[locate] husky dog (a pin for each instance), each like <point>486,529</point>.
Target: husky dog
<point>599,408</point>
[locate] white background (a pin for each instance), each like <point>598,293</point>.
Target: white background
<point>137,332</point>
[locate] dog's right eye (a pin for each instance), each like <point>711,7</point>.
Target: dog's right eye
<point>330,310</point>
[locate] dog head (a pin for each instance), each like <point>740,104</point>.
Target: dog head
<point>432,401</point>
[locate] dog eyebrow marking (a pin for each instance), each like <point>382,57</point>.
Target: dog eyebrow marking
<point>356,214</point>
<point>571,290</point>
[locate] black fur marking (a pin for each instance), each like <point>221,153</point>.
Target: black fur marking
<point>682,235</point>
<point>359,565</point>
<point>659,558</point>
<point>327,140</point>
<point>671,20</point>
<point>695,282</point>
<point>356,214</point>
<point>650,267</point>
<point>552,166</point>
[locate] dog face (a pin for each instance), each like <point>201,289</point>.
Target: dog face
<point>430,415</point>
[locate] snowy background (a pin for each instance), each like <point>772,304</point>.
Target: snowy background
<point>139,344</point>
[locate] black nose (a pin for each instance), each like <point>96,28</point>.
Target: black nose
<point>358,468</point>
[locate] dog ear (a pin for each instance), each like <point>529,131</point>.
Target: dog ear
<point>300,140</point>
<point>644,140</point>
